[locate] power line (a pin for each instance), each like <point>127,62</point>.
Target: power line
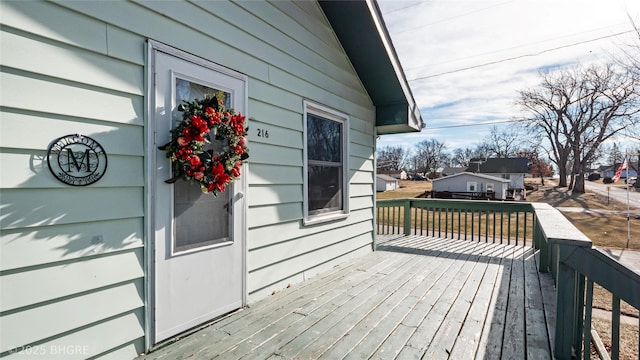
<point>477,124</point>
<point>447,19</point>
<point>512,47</point>
<point>519,56</point>
<point>404,7</point>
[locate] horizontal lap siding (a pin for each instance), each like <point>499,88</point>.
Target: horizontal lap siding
<point>282,251</point>
<point>86,72</point>
<point>27,247</point>
<point>72,264</point>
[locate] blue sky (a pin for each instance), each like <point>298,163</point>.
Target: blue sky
<point>466,60</point>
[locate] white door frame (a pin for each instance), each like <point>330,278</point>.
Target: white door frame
<point>150,166</point>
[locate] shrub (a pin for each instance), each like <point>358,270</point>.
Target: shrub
<point>594,177</point>
<point>607,180</point>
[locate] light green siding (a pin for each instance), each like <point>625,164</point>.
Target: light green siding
<point>73,269</point>
<point>72,258</point>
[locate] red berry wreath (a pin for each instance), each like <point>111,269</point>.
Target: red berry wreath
<point>202,120</point>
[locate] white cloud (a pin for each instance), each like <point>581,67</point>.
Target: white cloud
<point>520,37</point>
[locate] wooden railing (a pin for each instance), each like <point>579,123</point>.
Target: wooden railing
<point>497,222</point>
<point>576,264</point>
<point>564,251</point>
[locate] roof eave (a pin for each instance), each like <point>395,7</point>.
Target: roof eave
<point>484,176</point>
<point>360,29</point>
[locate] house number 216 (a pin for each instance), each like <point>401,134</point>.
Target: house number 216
<point>263,133</point>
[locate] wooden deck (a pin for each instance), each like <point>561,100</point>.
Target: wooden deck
<point>414,298</point>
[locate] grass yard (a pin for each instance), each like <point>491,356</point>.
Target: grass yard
<point>628,339</point>
<point>408,189</point>
<point>604,230</point>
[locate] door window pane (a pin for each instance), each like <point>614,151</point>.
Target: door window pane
<point>200,219</point>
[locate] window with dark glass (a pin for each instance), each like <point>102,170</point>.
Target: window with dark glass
<point>325,164</point>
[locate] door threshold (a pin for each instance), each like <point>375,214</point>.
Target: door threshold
<point>191,331</point>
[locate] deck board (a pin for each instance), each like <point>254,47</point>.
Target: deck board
<point>491,345</point>
<point>514,327</point>
<point>537,336</point>
<point>416,297</point>
<point>438,329</point>
<point>470,339</point>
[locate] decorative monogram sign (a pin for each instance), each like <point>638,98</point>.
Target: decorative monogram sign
<point>77,160</point>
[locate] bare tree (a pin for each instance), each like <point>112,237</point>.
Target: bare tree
<point>630,60</point>
<point>503,143</point>
<point>430,155</point>
<point>392,158</point>
<point>631,51</point>
<point>614,155</point>
<point>577,110</point>
<point>462,156</point>
<point>482,151</point>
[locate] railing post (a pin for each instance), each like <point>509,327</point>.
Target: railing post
<point>586,329</point>
<point>553,259</point>
<point>543,245</point>
<point>407,217</point>
<point>579,317</point>
<point>567,312</point>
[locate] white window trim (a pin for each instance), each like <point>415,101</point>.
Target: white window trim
<point>490,185</point>
<point>331,114</point>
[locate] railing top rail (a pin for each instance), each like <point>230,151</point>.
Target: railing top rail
<point>618,278</point>
<point>391,202</point>
<point>458,204</point>
<point>557,229</point>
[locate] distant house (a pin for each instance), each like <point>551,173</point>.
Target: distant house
<point>450,170</point>
<point>512,169</point>
<point>386,183</point>
<point>402,175</point>
<point>606,171</point>
<point>609,171</point>
<point>468,182</point>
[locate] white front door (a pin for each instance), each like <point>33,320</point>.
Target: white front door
<point>198,245</point>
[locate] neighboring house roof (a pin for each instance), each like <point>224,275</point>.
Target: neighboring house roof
<point>395,174</point>
<point>614,168</point>
<point>386,178</point>
<point>501,166</point>
<point>450,170</point>
<point>482,176</point>
<point>361,30</point>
